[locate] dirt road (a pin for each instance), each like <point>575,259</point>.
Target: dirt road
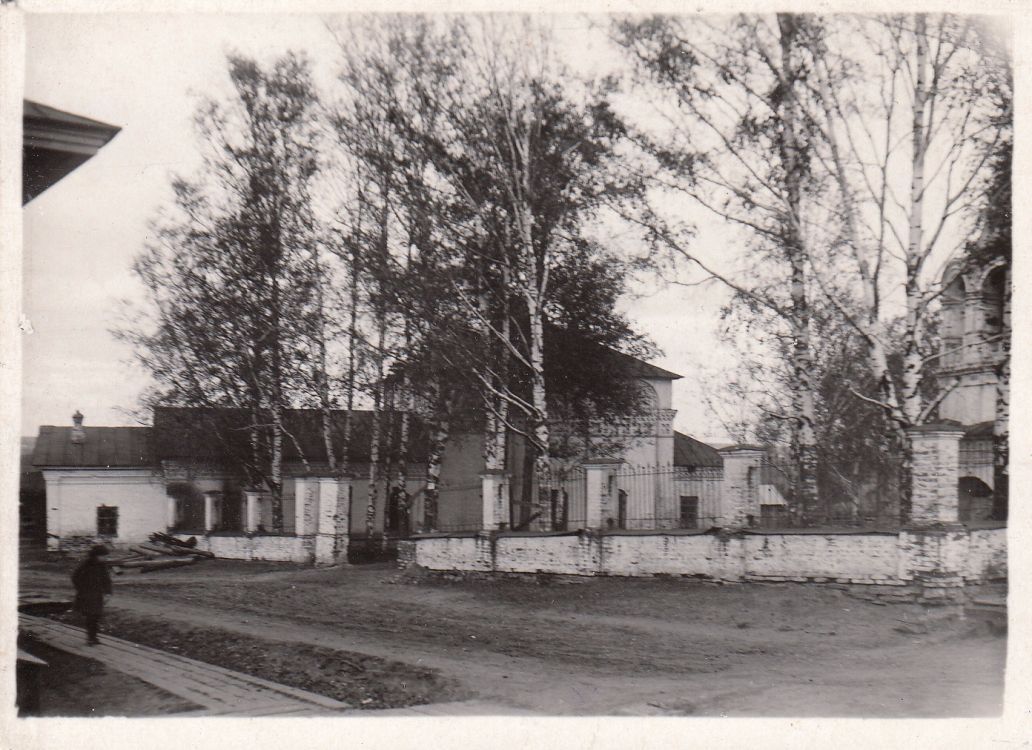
<point>601,646</point>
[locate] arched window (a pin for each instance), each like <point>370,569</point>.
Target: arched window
<point>993,291</point>
<point>953,322</point>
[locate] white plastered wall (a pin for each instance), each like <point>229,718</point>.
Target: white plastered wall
<point>73,496</point>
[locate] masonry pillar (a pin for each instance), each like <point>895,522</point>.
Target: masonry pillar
<point>935,457</point>
<point>170,512</point>
<point>305,504</point>
<point>330,545</point>
<point>494,494</point>
<point>211,520</point>
<point>934,546</point>
<point>738,491</point>
<point>597,473</point>
<point>252,509</point>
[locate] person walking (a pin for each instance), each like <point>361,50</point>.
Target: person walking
<point>92,581</point>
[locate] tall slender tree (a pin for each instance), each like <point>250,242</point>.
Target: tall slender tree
<point>229,275</point>
<point>907,129</point>
<point>497,169</point>
<point>730,134</point>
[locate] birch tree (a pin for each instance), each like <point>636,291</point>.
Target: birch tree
<point>907,133</point>
<point>728,134</point>
<point>496,170</point>
<point>534,161</point>
<point>363,124</point>
<point>393,69</point>
<point>229,273</point>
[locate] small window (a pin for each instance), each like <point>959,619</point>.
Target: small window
<point>621,510</point>
<point>689,517</point>
<point>107,521</point>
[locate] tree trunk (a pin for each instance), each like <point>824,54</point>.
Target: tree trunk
<point>390,457</point>
<point>432,495</point>
<point>276,468</point>
<point>542,463</point>
<point>257,459</point>
<point>404,500</point>
<point>802,360</point>
<point>401,497</point>
<point>539,402</point>
<point>374,432</point>
<point>803,402</point>
<point>274,249</point>
<point>349,383</point>
<point>322,377</point>
<point>911,351</point>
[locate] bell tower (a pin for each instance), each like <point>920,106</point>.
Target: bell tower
<point>974,323</point>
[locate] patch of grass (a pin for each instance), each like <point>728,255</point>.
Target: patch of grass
<point>357,679</point>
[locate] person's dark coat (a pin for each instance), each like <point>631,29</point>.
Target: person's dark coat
<point>92,580</point>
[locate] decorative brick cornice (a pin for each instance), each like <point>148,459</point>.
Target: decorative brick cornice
<point>646,424</point>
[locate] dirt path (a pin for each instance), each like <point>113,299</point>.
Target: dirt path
<point>488,677</point>
<point>608,646</point>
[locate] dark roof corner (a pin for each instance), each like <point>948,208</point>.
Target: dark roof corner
<point>691,452</point>
<point>54,143</point>
<point>643,369</point>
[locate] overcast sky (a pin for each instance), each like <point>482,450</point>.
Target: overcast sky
<point>144,73</point>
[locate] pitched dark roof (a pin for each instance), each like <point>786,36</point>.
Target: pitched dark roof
<point>214,435</point>
<point>220,434</point>
<point>104,447</point>
<point>603,358</point>
<point>644,369</point>
<point>691,452</point>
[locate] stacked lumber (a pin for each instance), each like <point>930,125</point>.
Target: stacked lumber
<point>162,551</point>
<point>182,546</point>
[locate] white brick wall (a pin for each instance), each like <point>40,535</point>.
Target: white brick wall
<point>272,548</point>
<point>575,554</point>
<point>453,553</point>
<point>673,554</point>
<point>73,496</point>
<point>934,554</point>
<point>945,558</point>
<point>987,555</point>
<point>848,556</point>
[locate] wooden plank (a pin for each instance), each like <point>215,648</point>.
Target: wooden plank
<point>200,688</point>
<point>208,684</point>
<point>157,663</point>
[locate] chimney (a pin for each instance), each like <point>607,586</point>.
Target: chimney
<point>78,433</point>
